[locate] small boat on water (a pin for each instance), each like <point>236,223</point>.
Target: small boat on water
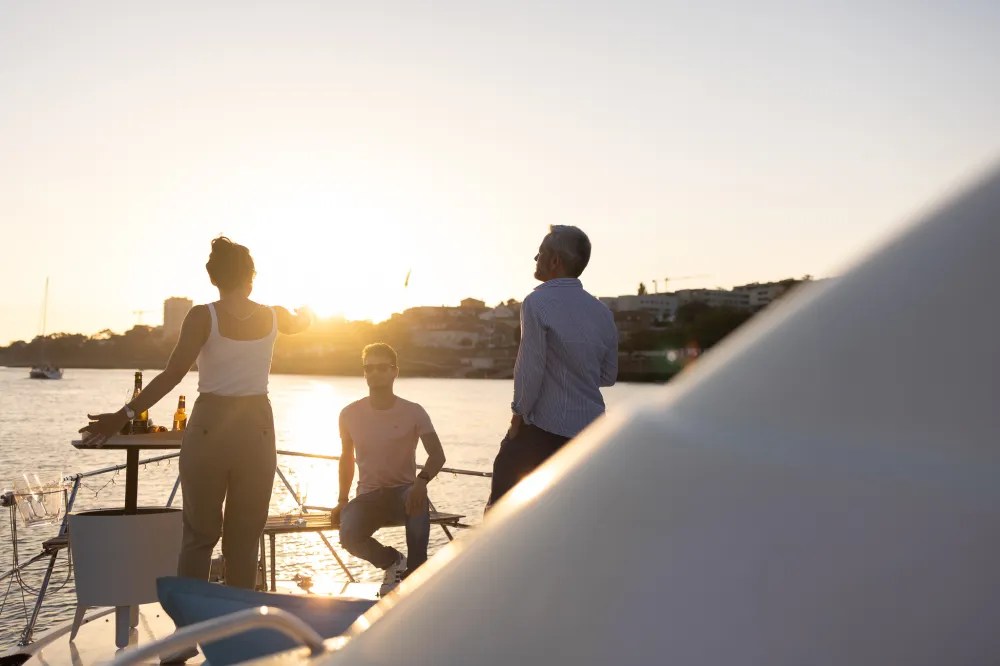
<point>45,372</point>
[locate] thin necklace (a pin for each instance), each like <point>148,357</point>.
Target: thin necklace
<point>237,318</point>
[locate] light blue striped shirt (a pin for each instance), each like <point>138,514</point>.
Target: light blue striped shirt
<point>569,349</point>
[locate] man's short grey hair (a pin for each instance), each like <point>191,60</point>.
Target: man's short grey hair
<point>571,245</point>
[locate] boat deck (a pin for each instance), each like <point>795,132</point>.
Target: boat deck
<point>95,642</point>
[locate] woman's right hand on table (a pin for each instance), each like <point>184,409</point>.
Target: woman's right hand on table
<point>102,426</point>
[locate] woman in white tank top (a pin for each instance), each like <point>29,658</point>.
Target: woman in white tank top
<point>228,453</point>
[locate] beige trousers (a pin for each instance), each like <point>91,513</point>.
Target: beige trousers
<point>228,455</point>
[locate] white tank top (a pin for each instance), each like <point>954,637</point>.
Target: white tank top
<point>235,367</point>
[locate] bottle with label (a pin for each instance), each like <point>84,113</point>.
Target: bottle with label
<point>180,416</point>
<point>140,423</point>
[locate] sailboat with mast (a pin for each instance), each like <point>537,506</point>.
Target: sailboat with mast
<point>44,369</point>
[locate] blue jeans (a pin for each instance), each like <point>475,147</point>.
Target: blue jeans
<point>366,513</point>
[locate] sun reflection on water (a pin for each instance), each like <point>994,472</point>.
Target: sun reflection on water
<point>310,416</point>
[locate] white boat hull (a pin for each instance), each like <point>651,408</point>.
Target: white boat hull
<point>45,373</point>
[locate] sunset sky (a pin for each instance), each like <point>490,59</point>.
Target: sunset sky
<point>348,143</point>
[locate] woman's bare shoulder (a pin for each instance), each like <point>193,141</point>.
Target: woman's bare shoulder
<point>199,312</point>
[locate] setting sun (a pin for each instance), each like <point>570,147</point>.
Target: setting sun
<point>348,258</point>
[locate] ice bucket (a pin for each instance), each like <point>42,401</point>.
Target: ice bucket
<point>119,556</point>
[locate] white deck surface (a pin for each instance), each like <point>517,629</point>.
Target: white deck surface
<point>95,643</point>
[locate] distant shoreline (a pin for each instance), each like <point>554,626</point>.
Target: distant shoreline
<point>628,377</point>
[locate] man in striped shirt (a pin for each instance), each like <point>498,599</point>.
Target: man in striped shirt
<point>569,350</point>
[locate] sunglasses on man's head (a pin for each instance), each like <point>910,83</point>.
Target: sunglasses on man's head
<point>372,367</point>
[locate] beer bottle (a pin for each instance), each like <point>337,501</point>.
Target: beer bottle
<point>141,421</point>
<point>180,416</point>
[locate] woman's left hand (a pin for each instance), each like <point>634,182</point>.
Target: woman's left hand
<point>102,426</point>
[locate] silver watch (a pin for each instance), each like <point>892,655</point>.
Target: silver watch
<point>130,413</point>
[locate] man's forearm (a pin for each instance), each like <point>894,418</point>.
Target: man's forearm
<point>529,369</point>
<point>528,377</point>
<point>346,477</point>
<point>609,371</point>
<point>432,466</point>
<point>609,365</point>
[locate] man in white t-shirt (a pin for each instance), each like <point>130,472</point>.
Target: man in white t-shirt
<point>380,432</point>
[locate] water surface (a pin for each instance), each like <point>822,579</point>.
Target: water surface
<point>38,419</point>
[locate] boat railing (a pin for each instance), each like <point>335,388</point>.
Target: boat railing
<point>331,458</point>
<point>444,521</point>
<point>262,617</point>
<point>77,478</point>
<point>53,546</point>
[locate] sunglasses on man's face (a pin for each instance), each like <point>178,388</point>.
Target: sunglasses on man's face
<point>378,367</point>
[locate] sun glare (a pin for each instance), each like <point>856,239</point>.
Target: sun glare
<point>354,261</point>
<point>347,286</point>
<point>311,429</point>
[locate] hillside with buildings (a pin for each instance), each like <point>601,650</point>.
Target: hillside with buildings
<point>659,333</point>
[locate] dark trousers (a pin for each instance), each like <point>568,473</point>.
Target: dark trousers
<point>518,457</point>
<point>366,513</point>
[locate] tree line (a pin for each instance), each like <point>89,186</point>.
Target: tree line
<point>334,346</point>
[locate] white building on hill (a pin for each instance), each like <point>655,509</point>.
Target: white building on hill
<point>174,311</point>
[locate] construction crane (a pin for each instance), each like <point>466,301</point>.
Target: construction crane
<point>666,280</point>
